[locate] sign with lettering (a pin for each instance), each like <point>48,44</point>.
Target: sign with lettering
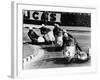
<point>42,16</point>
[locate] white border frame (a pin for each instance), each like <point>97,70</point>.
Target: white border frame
<point>17,41</point>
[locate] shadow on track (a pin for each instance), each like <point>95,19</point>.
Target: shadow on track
<point>58,61</point>
<point>50,49</point>
<point>65,62</point>
<point>37,43</point>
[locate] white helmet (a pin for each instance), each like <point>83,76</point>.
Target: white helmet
<point>57,25</point>
<point>64,30</point>
<point>43,25</point>
<point>82,55</point>
<point>40,39</point>
<point>65,33</point>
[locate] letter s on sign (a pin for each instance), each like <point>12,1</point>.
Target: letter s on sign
<point>54,17</point>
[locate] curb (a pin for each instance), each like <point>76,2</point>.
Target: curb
<point>34,57</point>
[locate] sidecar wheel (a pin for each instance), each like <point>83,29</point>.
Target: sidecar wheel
<point>82,56</point>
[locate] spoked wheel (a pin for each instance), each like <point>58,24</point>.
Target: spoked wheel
<point>67,56</point>
<point>82,56</point>
<point>69,53</point>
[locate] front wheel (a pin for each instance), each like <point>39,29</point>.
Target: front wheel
<point>69,52</point>
<point>82,56</point>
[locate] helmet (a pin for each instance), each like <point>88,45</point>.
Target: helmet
<point>82,55</point>
<point>57,25</point>
<point>40,39</point>
<point>43,25</point>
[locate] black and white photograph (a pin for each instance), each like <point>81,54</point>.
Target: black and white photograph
<point>55,39</point>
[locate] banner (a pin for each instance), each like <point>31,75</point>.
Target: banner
<point>42,16</point>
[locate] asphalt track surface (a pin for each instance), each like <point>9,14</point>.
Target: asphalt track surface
<point>49,58</point>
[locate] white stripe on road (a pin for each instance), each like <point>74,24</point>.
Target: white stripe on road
<point>33,58</point>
